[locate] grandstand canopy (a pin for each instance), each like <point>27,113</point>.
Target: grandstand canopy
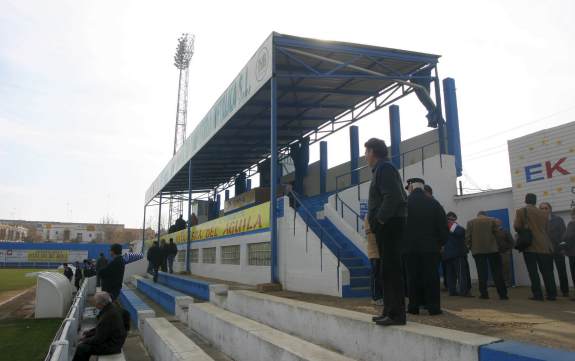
<point>322,86</point>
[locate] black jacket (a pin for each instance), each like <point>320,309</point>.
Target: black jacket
<point>172,249</point>
<point>455,245</point>
<point>556,230</point>
<point>109,335</point>
<point>180,224</point>
<point>68,273</point>
<point>154,255</point>
<point>426,229</point>
<point>112,276</point>
<point>101,263</point>
<point>387,197</point>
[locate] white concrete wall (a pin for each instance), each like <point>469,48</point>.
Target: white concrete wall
<point>242,273</point>
<point>301,268</point>
<point>303,265</point>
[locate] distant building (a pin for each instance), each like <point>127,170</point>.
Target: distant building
<point>39,231</point>
<point>12,232</point>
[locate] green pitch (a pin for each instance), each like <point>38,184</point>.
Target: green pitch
<point>26,340</point>
<point>16,279</point>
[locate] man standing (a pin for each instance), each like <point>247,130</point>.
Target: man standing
<point>387,210</point>
<point>172,251</point>
<point>154,257</point>
<point>68,272</point>
<point>454,255</point>
<point>505,243</point>
<point>539,254</point>
<point>374,259</point>
<point>180,224</point>
<point>112,276</point>
<point>100,263</point>
<point>425,234</point>
<point>108,337</point>
<point>163,256</point>
<point>555,231</point>
<point>480,237</point>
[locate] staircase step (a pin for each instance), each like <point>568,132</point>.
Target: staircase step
<point>356,292</point>
<point>362,281</point>
<point>354,333</point>
<point>248,340</point>
<point>359,271</point>
<point>352,261</point>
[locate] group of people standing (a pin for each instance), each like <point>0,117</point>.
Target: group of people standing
<point>410,237</point>
<point>161,257</point>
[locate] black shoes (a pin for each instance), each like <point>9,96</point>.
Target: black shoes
<point>386,321</point>
<point>504,298</point>
<point>551,298</point>
<point>536,298</point>
<point>435,312</point>
<point>484,297</point>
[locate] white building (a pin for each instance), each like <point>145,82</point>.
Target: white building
<point>64,231</point>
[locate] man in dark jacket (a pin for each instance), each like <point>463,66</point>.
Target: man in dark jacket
<point>164,256</point>
<point>556,230</point>
<point>425,234</point>
<point>78,275</point>
<point>387,210</point>
<point>108,337</point>
<point>172,251</point>
<point>100,263</point>
<point>112,275</point>
<point>154,257</point>
<point>568,245</point>
<point>454,255</point>
<point>180,224</point>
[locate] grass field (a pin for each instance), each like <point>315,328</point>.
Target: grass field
<point>26,340</point>
<point>15,279</point>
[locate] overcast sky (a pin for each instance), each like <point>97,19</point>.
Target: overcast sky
<point>88,88</point>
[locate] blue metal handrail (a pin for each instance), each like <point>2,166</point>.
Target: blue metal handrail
<point>358,218</point>
<point>311,217</point>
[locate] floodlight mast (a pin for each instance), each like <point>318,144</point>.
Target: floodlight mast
<point>182,58</point>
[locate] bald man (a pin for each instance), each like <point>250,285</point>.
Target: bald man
<point>108,337</point>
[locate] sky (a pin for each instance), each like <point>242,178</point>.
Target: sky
<point>88,89</point>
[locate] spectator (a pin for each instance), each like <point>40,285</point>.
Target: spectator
<point>539,254</point>
<point>180,224</point>
<point>154,259</point>
<point>193,220</point>
<point>387,210</point>
<point>454,256</point>
<point>425,233</point>
<point>100,263</point>
<point>78,276</point>
<point>374,258</point>
<point>108,337</point>
<point>172,250</point>
<point>68,272</point>
<point>555,231</point>
<point>505,243</point>
<point>568,245</point>
<point>164,253</point>
<point>112,276</point>
<point>480,237</point>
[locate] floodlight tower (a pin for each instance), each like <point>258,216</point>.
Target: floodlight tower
<point>184,52</point>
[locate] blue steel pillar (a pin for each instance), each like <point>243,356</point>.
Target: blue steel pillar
<point>440,125</point>
<point>248,185</point>
<point>322,166</point>
<point>395,130</point>
<point>354,153</point>
<point>273,182</point>
<point>144,230</point>
<point>159,218</point>
<point>189,240</point>
<point>452,118</point>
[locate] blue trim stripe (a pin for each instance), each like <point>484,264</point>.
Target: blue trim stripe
<point>190,286</point>
<point>518,351</point>
<point>164,296</point>
<point>132,303</point>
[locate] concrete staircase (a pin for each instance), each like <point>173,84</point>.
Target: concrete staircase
<point>248,326</point>
<point>352,257</point>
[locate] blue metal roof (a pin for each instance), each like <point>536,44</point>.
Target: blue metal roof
<point>323,86</point>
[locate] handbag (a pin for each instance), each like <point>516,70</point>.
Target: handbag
<point>524,236</point>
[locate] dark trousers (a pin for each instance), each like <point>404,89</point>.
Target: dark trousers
<point>572,266</point>
<point>424,282</point>
<point>455,269</point>
<point>389,238</point>
<point>492,261</point>
<point>561,266</point>
<point>84,351</point>
<point>155,269</point>
<point>375,280</point>
<point>544,262</point>
<point>171,263</point>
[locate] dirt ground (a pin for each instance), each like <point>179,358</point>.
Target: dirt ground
<point>20,307</point>
<point>549,323</point>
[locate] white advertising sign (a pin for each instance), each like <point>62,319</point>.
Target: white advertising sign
<point>543,163</point>
<point>41,255</point>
